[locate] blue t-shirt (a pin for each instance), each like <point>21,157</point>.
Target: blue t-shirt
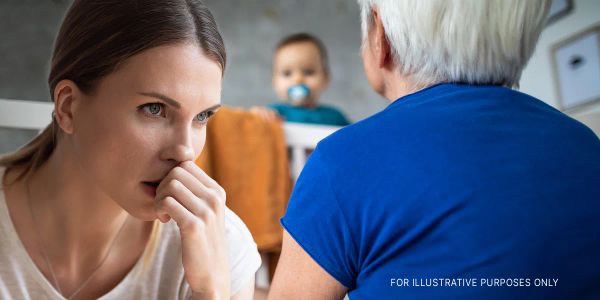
<point>322,114</point>
<point>451,186</point>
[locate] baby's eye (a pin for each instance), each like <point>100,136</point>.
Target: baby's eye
<point>203,116</point>
<point>287,73</point>
<point>309,72</point>
<point>154,109</point>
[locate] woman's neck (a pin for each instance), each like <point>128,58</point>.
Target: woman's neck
<point>72,214</point>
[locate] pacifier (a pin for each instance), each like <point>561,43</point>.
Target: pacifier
<point>298,94</point>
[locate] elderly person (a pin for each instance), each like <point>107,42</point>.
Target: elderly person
<point>462,187</point>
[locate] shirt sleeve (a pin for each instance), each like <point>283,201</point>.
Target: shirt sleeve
<point>276,107</point>
<point>342,119</point>
<point>244,258</point>
<point>316,222</point>
<point>337,117</point>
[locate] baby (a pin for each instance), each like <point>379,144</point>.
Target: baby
<point>300,75</point>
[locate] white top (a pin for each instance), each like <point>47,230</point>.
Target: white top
<point>160,278</point>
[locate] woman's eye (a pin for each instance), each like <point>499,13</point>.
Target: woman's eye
<point>154,109</point>
<point>203,116</point>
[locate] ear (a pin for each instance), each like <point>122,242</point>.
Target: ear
<point>381,46</point>
<point>66,100</point>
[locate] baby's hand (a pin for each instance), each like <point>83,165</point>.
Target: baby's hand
<point>266,113</point>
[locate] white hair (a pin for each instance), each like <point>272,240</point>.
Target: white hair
<point>470,41</point>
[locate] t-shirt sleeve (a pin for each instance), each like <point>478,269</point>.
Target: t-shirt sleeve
<point>342,119</point>
<point>337,117</point>
<point>276,107</point>
<point>316,222</point>
<point>244,259</point>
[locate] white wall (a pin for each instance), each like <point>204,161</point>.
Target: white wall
<point>537,77</point>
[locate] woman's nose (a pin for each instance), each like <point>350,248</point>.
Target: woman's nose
<point>179,148</point>
<point>180,153</point>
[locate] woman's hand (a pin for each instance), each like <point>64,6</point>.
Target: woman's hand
<point>197,203</point>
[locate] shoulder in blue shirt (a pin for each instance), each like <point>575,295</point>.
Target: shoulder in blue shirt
<point>455,182</point>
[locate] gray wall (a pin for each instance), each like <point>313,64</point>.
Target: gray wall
<point>27,28</point>
<point>251,28</point>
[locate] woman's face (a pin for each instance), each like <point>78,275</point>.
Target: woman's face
<point>144,119</point>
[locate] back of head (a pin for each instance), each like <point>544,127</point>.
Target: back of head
<point>470,41</point>
<point>96,36</point>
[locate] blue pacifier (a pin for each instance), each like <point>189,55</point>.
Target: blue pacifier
<point>298,94</point>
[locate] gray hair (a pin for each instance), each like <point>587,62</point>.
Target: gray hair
<point>471,41</point>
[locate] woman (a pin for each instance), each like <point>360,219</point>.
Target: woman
<point>134,84</point>
<point>462,188</point>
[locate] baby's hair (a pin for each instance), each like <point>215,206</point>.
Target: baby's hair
<point>305,37</point>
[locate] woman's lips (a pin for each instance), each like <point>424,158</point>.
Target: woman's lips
<point>150,187</point>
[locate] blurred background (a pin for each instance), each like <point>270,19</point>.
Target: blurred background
<point>251,28</point>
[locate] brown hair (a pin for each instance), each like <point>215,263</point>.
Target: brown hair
<point>305,37</point>
<point>96,36</point>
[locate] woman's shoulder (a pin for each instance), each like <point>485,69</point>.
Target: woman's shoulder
<point>236,228</point>
<point>244,259</point>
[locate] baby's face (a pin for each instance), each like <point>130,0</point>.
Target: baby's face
<point>299,63</point>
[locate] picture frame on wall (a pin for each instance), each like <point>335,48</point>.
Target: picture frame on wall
<point>559,9</point>
<point>576,69</point>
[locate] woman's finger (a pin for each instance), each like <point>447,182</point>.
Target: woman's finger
<point>210,196</point>
<point>183,217</point>
<point>177,190</point>
<point>216,192</point>
<point>188,180</point>
<point>195,170</point>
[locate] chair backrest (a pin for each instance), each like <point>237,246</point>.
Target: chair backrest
<point>22,114</point>
<point>36,115</point>
<point>302,139</point>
